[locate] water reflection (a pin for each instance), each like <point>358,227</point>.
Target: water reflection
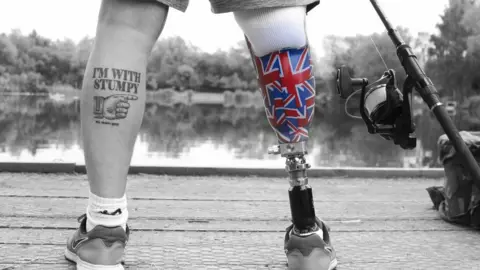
<point>187,129</point>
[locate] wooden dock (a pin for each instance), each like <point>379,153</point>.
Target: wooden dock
<point>234,223</point>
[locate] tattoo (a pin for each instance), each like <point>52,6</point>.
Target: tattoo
<point>114,107</point>
<point>116,80</point>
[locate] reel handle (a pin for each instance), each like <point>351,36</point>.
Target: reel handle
<point>346,84</point>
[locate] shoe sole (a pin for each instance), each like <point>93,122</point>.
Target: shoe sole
<point>332,266</point>
<point>82,265</point>
<point>299,262</point>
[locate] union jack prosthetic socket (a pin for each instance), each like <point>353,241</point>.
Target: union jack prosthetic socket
<point>288,89</point>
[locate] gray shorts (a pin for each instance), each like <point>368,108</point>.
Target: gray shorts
<point>223,6</point>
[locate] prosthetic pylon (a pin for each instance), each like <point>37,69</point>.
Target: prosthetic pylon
<point>288,89</point>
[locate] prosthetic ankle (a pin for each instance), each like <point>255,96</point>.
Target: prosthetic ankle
<point>285,76</point>
<point>300,193</point>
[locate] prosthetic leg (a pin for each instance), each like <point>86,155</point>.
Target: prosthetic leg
<point>288,89</point>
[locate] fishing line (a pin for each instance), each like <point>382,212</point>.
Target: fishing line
<point>379,54</point>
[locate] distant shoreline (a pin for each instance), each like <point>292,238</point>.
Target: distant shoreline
<point>169,97</point>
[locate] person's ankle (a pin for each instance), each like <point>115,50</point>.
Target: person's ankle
<point>108,212</point>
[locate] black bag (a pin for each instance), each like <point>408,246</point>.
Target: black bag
<point>459,199</point>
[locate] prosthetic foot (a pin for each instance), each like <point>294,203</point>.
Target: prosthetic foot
<point>288,89</point>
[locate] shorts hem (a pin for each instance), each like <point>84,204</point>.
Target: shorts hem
<point>178,5</point>
<point>219,6</point>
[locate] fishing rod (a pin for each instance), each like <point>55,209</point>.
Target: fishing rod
<point>387,111</point>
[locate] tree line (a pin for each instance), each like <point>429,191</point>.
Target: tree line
<point>32,63</point>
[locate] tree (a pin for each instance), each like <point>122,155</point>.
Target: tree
<point>167,56</point>
<point>448,66</point>
<point>79,61</point>
<point>184,78</point>
<point>470,22</point>
<point>8,52</point>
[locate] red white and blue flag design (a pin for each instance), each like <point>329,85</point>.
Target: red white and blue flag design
<point>288,89</point>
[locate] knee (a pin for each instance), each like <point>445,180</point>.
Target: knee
<point>272,29</point>
<point>144,18</point>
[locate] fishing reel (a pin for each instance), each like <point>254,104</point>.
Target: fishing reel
<point>383,107</point>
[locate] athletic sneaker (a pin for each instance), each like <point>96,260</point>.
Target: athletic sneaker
<point>309,251</point>
<point>102,248</point>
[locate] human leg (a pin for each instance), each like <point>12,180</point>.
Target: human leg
<point>112,107</point>
<point>279,46</point>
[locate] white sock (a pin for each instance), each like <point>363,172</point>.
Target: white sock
<point>109,212</point>
<point>273,29</point>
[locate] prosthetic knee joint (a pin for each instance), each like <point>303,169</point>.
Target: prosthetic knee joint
<point>288,89</point>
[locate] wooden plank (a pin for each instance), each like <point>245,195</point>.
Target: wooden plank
<point>220,188</point>
<point>25,179</point>
<point>451,265</point>
<point>152,266</point>
<point>179,238</point>
<point>34,266</point>
<point>414,250</point>
<point>142,224</point>
<point>55,167</point>
<point>420,197</point>
<point>255,210</point>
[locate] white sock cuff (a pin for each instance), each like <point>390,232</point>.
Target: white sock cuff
<point>96,202</point>
<point>273,29</point>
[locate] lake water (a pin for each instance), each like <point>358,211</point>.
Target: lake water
<point>187,129</point>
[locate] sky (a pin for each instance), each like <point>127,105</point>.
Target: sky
<point>59,19</point>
